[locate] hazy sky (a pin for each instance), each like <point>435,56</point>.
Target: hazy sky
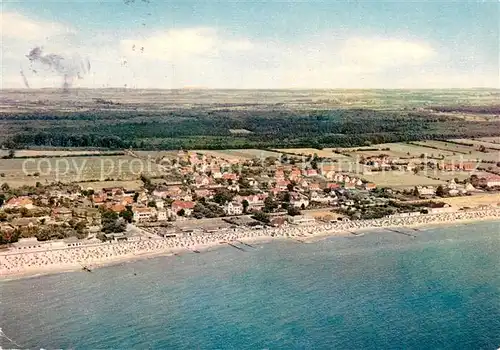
<point>252,44</point>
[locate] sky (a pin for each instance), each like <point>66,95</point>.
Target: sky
<point>250,44</point>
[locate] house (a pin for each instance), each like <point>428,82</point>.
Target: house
<point>233,208</point>
<point>19,202</point>
<point>444,209</point>
<point>230,176</point>
<point>321,198</point>
<point>61,214</point>
<point>327,170</point>
<point>162,215</point>
<point>314,186</point>
<point>234,187</point>
<point>426,190</point>
<point>279,175</point>
<point>255,202</point>
<point>161,193</point>
<point>6,229</point>
<point>349,185</point>
<point>204,193</point>
<point>298,201</point>
<point>216,173</point>
<point>99,199</point>
<point>142,214</point>
<point>369,186</point>
<point>490,181</point>
<point>113,191</point>
<point>93,216</point>
<point>300,219</point>
<point>116,207</point>
<point>295,174</point>
<point>187,206</point>
<point>333,185</point>
<point>24,222</point>
<point>282,185</point>
<point>469,187</point>
<point>202,181</point>
<point>310,172</point>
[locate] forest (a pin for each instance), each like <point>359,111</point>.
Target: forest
<point>197,128</point>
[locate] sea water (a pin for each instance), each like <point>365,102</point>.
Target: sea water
<point>440,290</point>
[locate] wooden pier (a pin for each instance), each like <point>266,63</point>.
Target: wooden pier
<point>400,232</point>
<point>235,246</point>
<point>248,245</point>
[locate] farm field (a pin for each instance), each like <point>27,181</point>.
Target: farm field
<point>26,153</point>
<point>99,185</point>
<point>446,146</point>
<point>250,153</point>
<point>156,154</point>
<point>399,180</point>
<point>473,201</point>
<point>495,140</point>
<point>414,151</point>
<point>477,143</point>
<point>73,169</point>
<point>446,175</point>
<point>234,155</point>
<point>326,152</point>
<point>358,153</point>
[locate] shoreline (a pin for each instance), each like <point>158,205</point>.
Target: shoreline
<point>14,266</point>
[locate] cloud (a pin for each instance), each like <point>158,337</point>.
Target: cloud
<point>375,54</point>
<point>17,26</point>
<point>216,58</point>
<point>180,44</point>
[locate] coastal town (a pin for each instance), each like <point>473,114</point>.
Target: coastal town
<point>203,200</point>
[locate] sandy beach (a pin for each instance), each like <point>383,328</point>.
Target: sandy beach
<point>14,264</point>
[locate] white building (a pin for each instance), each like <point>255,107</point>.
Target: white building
<point>300,219</point>
<point>299,201</point>
<point>426,190</point>
<point>162,215</point>
<point>143,214</point>
<point>233,208</point>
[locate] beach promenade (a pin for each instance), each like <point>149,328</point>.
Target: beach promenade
<point>19,264</point>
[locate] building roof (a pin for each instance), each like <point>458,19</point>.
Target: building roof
<point>183,204</point>
<point>19,201</point>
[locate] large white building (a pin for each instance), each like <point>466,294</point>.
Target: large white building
<point>233,208</point>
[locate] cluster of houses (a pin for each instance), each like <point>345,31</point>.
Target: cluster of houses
<point>202,177</point>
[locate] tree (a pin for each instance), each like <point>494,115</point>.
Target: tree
<point>293,211</point>
<point>112,223</point>
<point>440,191</point>
<point>152,204</point>
<point>223,196</point>
<point>127,214</point>
<point>269,204</point>
<point>415,192</point>
<point>261,216</point>
<point>5,187</point>
<point>245,205</point>
<point>12,153</point>
<point>287,197</point>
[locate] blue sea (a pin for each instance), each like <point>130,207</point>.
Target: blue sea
<point>440,290</point>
